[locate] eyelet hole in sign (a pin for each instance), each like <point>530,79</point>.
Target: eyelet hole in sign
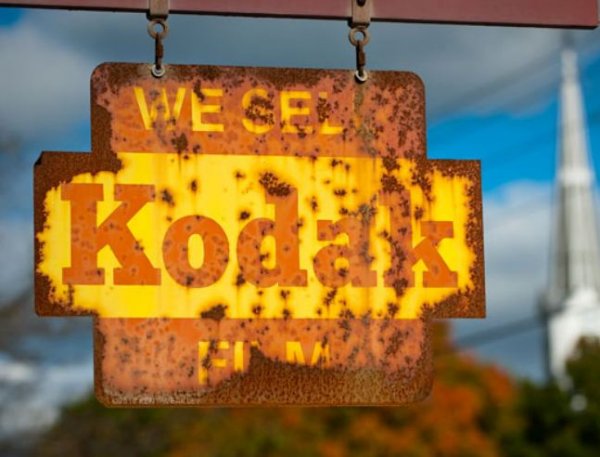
<point>158,28</point>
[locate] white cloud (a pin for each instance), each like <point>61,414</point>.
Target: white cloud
<point>44,86</point>
<point>518,221</point>
<point>32,395</point>
<point>16,252</point>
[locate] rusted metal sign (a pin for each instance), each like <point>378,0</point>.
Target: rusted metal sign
<point>543,13</point>
<point>258,236</point>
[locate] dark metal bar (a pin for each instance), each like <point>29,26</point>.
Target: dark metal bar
<point>540,13</point>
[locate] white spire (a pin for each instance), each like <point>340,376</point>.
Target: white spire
<point>574,289</point>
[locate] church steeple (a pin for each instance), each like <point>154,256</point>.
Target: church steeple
<point>572,300</point>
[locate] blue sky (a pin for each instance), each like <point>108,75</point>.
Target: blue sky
<point>491,95</point>
<point>10,16</point>
<point>517,144</point>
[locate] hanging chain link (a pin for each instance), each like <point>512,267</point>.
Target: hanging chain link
<point>359,35</point>
<point>158,11</point>
<point>158,30</point>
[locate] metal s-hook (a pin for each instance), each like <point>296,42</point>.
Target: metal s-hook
<point>359,35</point>
<point>158,11</point>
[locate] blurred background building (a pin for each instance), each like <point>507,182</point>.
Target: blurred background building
<point>571,305</point>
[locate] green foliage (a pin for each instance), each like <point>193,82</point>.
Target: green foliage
<point>554,425</point>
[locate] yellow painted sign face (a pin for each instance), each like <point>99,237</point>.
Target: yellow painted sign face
<point>328,230</point>
<point>256,229</point>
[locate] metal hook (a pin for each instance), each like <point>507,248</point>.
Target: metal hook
<point>361,57</point>
<point>361,18</point>
<point>158,10</point>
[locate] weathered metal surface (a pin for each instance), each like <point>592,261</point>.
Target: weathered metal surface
<point>544,13</point>
<point>258,236</point>
<point>347,361</point>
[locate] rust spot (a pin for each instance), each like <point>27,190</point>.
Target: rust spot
<point>390,163</point>
<point>197,88</point>
<point>419,213</point>
<point>395,342</point>
<point>314,204</point>
<point>329,297</point>
<point>274,186</point>
<point>215,313</point>
<point>257,310</point>
<point>390,183</point>
<point>323,110</point>
<point>167,197</point>
<point>240,280</point>
<point>180,142</point>
<point>260,111</point>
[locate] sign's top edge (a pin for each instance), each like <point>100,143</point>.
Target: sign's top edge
<point>125,73</point>
<point>259,69</point>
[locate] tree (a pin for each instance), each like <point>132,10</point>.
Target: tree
<point>564,422</point>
